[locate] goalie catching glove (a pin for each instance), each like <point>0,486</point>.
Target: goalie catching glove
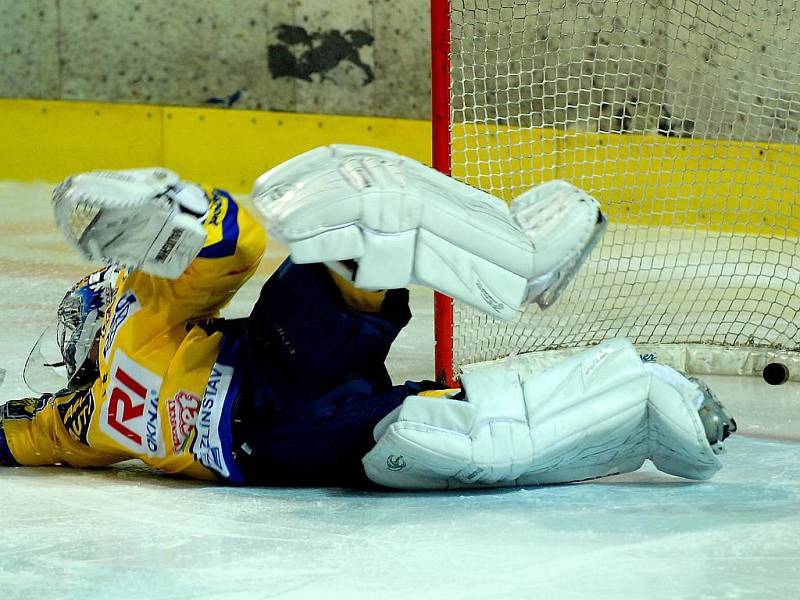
<point>402,222</point>
<point>144,219</point>
<point>600,412</point>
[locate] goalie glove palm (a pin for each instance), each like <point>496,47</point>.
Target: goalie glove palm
<point>403,222</point>
<point>144,219</point>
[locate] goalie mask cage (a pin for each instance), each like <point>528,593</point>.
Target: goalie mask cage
<point>681,117</point>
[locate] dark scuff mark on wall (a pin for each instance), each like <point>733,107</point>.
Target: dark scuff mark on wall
<point>302,54</point>
<point>226,102</point>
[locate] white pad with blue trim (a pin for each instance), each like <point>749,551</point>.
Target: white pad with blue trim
<point>598,413</point>
<point>403,222</point>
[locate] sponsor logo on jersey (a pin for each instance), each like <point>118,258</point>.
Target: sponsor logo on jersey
<point>130,414</point>
<point>183,410</point>
<point>207,446</point>
<point>222,228</point>
<point>124,308</point>
<point>76,414</point>
<point>215,211</point>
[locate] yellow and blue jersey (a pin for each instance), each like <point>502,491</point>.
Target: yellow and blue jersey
<point>167,384</point>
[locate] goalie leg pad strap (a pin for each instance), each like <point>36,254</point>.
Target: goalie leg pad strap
<point>387,261</point>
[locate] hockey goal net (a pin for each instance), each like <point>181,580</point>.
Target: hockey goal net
<point>682,118</point>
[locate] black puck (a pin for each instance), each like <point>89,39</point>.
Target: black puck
<point>776,374</point>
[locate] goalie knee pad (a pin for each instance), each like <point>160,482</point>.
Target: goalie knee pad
<point>403,222</point>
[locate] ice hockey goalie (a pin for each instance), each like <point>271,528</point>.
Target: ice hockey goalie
<point>297,393</point>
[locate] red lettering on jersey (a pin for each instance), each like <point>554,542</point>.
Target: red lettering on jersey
<point>121,407</point>
<point>128,381</point>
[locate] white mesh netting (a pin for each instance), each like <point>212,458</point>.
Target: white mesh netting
<point>682,118</point>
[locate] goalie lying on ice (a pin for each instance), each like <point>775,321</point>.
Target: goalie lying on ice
<point>297,393</point>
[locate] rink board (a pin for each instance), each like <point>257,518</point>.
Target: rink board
<point>646,180</point>
<point>49,140</point>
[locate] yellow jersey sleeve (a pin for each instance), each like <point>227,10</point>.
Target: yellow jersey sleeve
<point>52,429</point>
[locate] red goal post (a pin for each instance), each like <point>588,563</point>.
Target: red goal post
<point>440,117</point>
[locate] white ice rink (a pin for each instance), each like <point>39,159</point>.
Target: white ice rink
<point>126,532</point>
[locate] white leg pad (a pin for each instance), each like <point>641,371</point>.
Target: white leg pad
<point>387,261</point>
<point>598,413</point>
<point>470,278</point>
<point>678,443</point>
<point>417,225</point>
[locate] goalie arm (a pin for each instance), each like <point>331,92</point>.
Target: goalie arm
<point>182,248</point>
<point>49,430</point>
<point>234,245</point>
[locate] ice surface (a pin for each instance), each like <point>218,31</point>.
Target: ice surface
<point>126,532</point>
<point>121,533</point>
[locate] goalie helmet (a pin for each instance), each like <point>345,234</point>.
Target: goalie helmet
<point>80,319</point>
<point>63,356</point>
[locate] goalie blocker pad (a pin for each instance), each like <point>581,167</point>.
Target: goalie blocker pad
<point>598,413</point>
<point>144,219</point>
<point>406,223</point>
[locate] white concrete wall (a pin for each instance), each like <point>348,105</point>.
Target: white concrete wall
<point>186,52</point>
<point>710,68</point>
